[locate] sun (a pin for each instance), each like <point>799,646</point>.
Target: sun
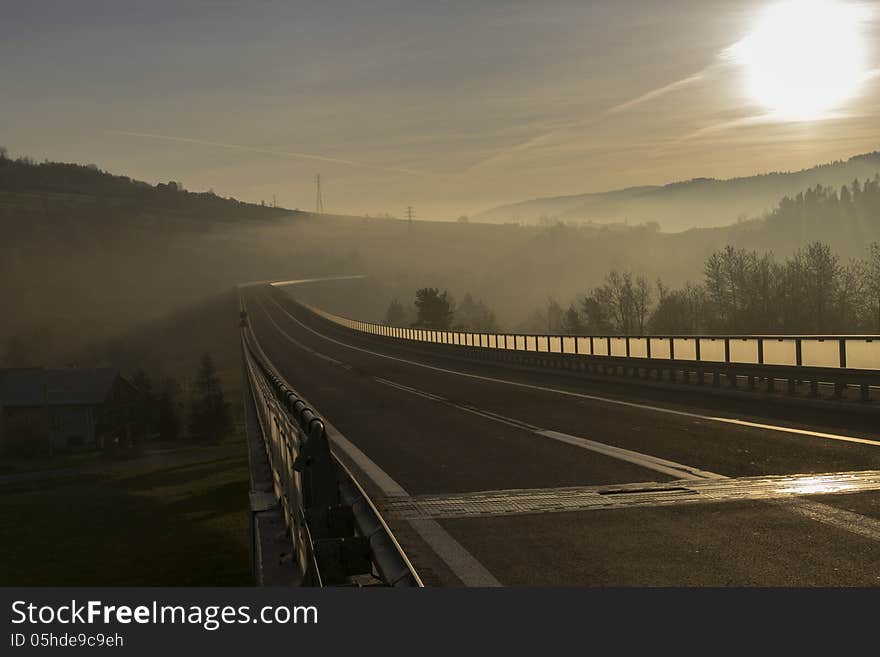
<point>804,58</point>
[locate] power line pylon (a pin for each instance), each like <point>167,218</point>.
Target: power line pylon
<point>410,213</point>
<point>319,200</point>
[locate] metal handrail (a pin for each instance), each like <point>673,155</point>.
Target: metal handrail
<point>317,493</point>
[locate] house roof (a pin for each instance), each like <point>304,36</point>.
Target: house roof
<point>60,387</point>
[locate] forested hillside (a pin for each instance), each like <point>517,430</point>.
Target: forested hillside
<point>702,202</point>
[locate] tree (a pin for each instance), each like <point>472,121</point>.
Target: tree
<point>595,312</point>
<point>145,410</point>
<point>873,269</point>
<point>618,290</point>
<point>853,304</point>
<point>555,316</point>
<point>641,303</point>
<point>821,272</point>
<point>395,315</point>
<point>210,417</point>
<point>168,411</point>
<point>17,353</point>
<point>434,310</point>
<point>474,315</point>
<point>571,321</point>
<point>678,311</point>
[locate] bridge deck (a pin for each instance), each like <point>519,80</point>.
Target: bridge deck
<point>429,427</point>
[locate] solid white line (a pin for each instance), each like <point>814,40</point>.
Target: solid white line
<point>461,562</point>
<point>316,280</point>
<point>607,400</point>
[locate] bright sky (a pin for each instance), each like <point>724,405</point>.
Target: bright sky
<point>449,106</point>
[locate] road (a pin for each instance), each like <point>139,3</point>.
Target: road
<point>490,475</point>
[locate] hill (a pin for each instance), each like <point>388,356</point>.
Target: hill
<point>76,268</point>
<point>701,202</point>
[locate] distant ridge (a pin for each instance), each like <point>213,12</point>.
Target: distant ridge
<point>23,176</point>
<point>699,202</point>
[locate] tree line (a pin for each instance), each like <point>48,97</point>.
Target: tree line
<point>167,412</point>
<point>742,292</point>
<point>439,311</point>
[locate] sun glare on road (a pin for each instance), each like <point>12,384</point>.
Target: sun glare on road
<point>804,58</point>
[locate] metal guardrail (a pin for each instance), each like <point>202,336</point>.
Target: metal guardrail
<point>841,361</point>
<point>335,531</point>
<point>843,351</point>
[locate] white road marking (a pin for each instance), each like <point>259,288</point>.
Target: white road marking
<point>854,523</point>
<point>461,562</point>
<point>646,461</point>
<point>315,280</point>
<point>607,400</point>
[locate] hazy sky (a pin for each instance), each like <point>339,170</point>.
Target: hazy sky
<point>451,107</point>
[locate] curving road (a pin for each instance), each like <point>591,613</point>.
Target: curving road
<point>492,475</point>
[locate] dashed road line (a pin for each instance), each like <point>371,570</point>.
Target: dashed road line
<point>581,395</point>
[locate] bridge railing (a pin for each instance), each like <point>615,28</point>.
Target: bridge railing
<point>335,530</point>
<point>860,352</point>
<point>838,360</point>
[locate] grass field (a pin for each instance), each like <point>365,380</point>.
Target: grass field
<point>12,464</point>
<point>170,521</point>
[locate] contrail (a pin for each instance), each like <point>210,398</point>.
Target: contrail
<point>656,93</point>
<point>267,151</point>
<point>616,109</point>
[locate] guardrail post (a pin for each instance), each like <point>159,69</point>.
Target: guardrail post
<point>840,387</point>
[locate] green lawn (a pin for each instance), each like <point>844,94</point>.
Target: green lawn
<point>163,524</point>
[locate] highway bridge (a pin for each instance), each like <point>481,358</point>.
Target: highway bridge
<point>410,458</point>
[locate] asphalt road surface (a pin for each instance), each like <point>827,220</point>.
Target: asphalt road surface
<point>491,475</point>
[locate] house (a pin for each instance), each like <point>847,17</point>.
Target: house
<point>62,409</point>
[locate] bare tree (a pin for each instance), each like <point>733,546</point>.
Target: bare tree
<point>873,278</point>
<point>641,303</point>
